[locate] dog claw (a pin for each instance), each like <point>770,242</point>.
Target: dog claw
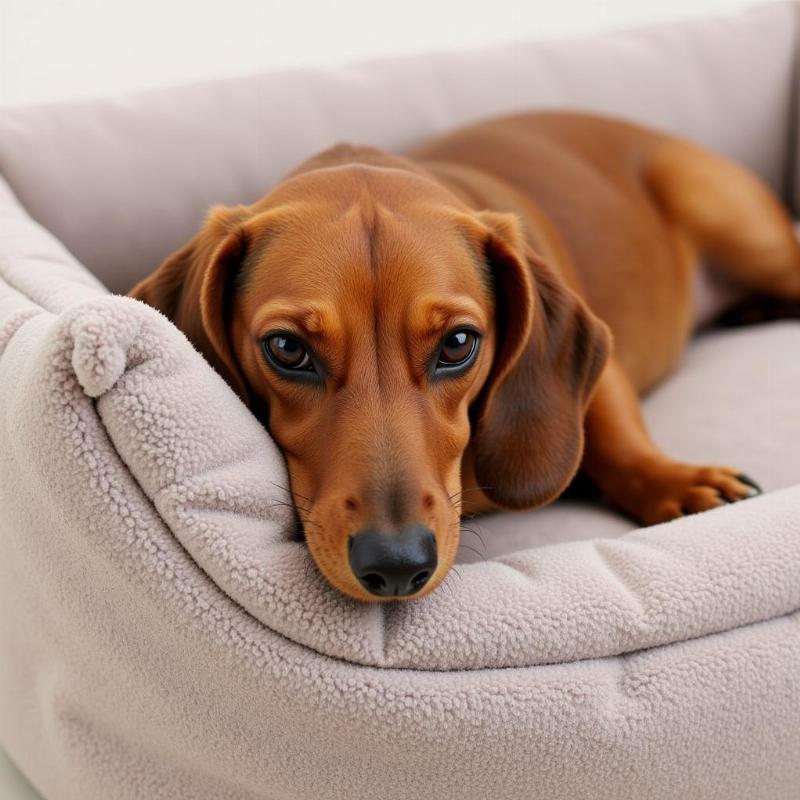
<point>746,479</point>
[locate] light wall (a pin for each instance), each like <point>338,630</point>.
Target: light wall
<point>62,49</point>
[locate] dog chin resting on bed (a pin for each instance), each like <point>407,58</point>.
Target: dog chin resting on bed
<point>463,328</point>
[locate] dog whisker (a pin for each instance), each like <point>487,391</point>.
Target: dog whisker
<point>474,550</point>
<point>470,489</point>
<point>465,529</point>
<point>291,507</point>
<point>457,500</point>
<point>282,504</point>
<point>445,584</point>
<point>292,493</point>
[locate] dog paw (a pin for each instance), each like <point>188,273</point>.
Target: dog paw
<point>661,490</point>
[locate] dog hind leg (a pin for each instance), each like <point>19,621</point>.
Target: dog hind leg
<point>730,216</point>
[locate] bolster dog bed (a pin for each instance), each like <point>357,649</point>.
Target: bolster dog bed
<point>163,634</point>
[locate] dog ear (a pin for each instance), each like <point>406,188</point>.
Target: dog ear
<point>528,421</point>
<point>194,286</point>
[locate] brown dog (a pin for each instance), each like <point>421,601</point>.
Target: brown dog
<point>417,330</point>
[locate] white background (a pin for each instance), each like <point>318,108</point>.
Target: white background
<point>63,49</point>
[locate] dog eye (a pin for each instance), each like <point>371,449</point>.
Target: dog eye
<point>288,352</point>
<point>458,349</point>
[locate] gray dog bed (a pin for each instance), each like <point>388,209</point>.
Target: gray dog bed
<point>162,635</point>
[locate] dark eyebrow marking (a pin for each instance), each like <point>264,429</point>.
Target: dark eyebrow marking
<point>241,280</point>
<point>254,247</point>
<point>480,259</point>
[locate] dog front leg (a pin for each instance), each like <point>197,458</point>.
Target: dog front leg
<point>625,463</point>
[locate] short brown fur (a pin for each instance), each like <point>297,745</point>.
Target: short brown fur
<point>516,227</point>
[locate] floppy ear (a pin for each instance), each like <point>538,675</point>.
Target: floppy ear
<point>194,286</point>
<point>528,422</point>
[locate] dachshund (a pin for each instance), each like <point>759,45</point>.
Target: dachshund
<point>462,328</point>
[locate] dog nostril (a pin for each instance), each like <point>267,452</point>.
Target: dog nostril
<point>419,580</point>
<point>373,582</point>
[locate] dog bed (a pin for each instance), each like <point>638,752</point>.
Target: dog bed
<point>163,635</point>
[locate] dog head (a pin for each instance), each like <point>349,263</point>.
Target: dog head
<point>384,331</point>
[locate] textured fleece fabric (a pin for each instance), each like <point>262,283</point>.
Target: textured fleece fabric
<point>162,635</point>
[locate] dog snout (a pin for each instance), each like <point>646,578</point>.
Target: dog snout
<point>393,563</point>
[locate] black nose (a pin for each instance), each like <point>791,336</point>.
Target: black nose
<point>393,564</point>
